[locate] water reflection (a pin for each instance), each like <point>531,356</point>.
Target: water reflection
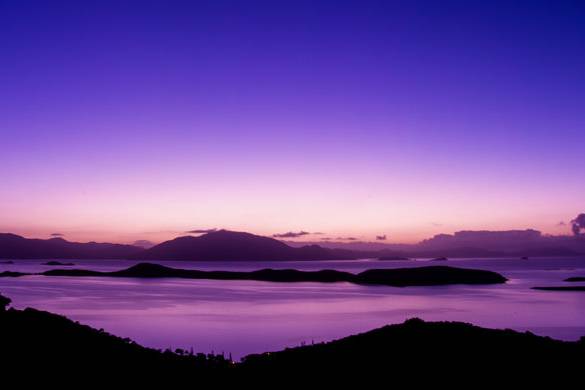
<point>246,316</point>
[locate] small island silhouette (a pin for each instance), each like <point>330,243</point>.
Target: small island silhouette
<point>575,279</point>
<point>392,258</point>
<point>58,263</point>
<point>560,288</point>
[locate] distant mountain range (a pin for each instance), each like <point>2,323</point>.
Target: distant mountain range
<point>240,246</point>
<point>17,247</point>
<point>509,243</point>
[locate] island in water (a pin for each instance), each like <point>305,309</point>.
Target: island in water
<point>393,258</point>
<point>399,277</point>
<point>58,263</point>
<point>560,288</point>
<point>575,279</point>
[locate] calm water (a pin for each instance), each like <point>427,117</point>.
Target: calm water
<point>244,317</point>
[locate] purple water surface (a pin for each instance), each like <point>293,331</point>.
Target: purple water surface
<point>242,317</point>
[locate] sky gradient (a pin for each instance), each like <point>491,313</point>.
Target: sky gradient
<point>141,120</point>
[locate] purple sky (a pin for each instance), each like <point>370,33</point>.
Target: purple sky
<point>128,120</point>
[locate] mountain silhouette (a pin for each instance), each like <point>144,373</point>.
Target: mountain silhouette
<point>13,246</point>
<point>462,244</point>
<point>225,245</point>
<point>238,246</point>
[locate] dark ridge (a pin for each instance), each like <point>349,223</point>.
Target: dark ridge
<point>575,279</point>
<point>17,247</point>
<point>401,277</point>
<point>58,263</point>
<point>560,288</point>
<point>440,259</point>
<point>392,258</point>
<point>37,340</point>
<point>224,245</point>
<point>430,353</point>
<point>416,348</point>
<point>12,274</point>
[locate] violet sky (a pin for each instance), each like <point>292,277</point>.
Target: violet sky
<point>126,120</point>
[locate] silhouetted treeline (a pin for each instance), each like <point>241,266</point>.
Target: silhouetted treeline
<point>38,340</point>
<point>415,353</point>
<point>418,353</point>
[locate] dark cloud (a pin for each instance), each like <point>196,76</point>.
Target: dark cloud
<point>291,234</point>
<point>201,231</point>
<point>381,238</point>
<point>346,238</point>
<point>578,224</point>
<point>57,234</point>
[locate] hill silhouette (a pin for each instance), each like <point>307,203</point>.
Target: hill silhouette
<point>431,353</point>
<point>225,245</point>
<point>13,246</point>
<point>415,352</point>
<point>41,341</point>
<point>237,246</point>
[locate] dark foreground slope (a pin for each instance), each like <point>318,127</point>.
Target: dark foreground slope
<point>416,352</point>
<point>435,352</point>
<point>400,277</point>
<point>36,340</point>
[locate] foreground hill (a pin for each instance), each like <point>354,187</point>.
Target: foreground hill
<point>17,247</point>
<point>445,353</point>
<point>35,340</point>
<point>429,353</point>
<point>237,246</point>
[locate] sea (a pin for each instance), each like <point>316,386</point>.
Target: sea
<point>238,318</point>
